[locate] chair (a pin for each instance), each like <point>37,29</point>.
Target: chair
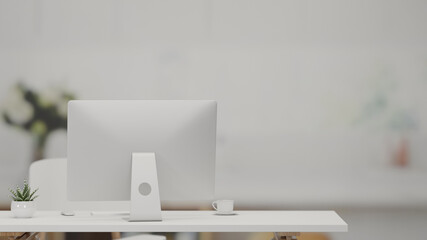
<point>50,176</point>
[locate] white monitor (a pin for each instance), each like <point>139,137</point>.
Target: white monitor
<point>105,137</point>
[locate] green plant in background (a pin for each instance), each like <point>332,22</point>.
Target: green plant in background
<point>38,114</point>
<point>23,195</point>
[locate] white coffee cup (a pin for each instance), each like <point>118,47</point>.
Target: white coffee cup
<point>223,206</point>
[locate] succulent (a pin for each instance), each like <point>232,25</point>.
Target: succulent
<point>23,195</point>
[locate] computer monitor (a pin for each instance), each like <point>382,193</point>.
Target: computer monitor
<point>111,142</point>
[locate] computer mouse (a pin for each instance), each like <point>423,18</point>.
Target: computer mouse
<point>67,213</point>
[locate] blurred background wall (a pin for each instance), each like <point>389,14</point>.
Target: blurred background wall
<point>321,103</point>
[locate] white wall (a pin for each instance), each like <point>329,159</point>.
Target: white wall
<point>297,83</point>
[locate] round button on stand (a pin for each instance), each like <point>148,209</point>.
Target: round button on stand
<point>144,189</point>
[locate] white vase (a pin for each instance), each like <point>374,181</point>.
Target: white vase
<point>23,209</point>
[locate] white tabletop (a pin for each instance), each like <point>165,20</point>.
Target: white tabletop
<point>178,221</point>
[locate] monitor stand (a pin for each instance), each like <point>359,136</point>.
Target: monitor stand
<point>145,198</point>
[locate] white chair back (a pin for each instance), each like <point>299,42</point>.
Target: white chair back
<point>50,176</point>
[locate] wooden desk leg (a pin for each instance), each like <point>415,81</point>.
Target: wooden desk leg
<point>286,235</point>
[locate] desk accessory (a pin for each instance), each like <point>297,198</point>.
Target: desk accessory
<point>23,205</point>
<point>223,207</point>
<point>68,213</point>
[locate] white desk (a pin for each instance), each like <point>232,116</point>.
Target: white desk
<point>179,221</point>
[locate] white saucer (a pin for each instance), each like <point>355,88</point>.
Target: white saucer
<point>225,213</point>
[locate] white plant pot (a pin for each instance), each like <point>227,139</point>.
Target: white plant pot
<point>23,209</point>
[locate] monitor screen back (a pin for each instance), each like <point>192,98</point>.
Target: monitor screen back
<point>102,135</point>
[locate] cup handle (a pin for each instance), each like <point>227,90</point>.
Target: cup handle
<point>214,205</point>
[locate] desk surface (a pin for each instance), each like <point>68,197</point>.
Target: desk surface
<point>178,221</point>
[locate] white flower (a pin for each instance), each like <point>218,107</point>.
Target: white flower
<point>53,96</point>
<point>50,96</point>
<point>16,108</point>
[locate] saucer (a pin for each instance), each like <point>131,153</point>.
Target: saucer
<point>225,213</point>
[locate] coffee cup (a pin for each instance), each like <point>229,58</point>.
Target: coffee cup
<point>223,206</point>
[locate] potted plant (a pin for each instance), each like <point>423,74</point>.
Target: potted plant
<point>37,113</point>
<point>23,205</point>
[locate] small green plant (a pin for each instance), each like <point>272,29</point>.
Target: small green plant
<point>24,194</point>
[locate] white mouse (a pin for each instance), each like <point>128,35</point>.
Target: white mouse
<point>67,213</point>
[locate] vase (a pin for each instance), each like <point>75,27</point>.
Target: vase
<point>402,156</point>
<point>23,209</point>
